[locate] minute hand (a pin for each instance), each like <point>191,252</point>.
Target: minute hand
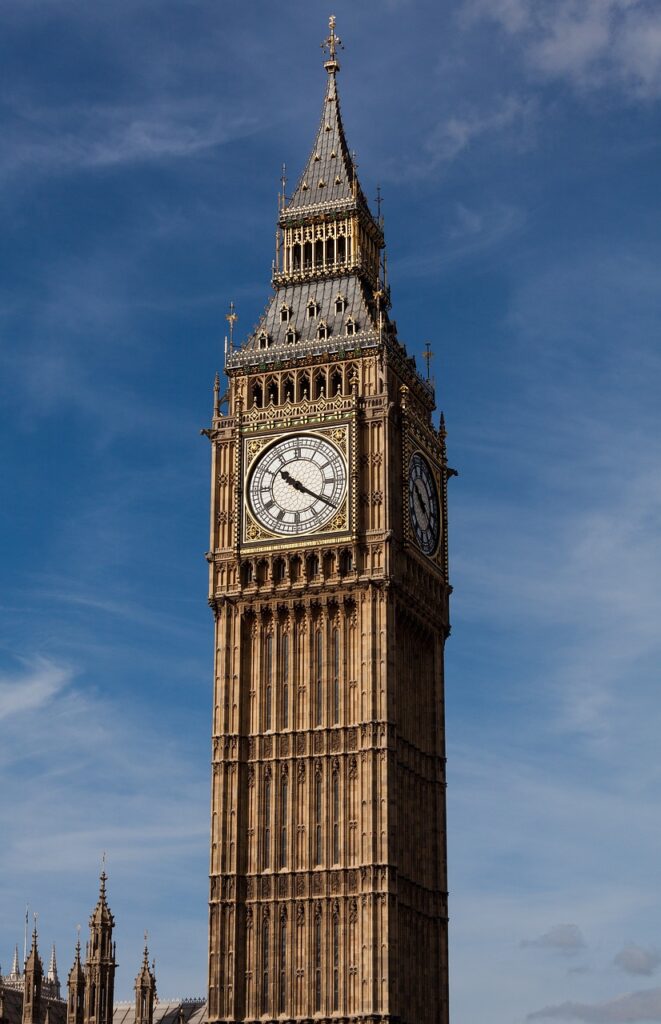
<point>298,486</point>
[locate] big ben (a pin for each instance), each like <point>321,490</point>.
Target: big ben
<point>328,580</point>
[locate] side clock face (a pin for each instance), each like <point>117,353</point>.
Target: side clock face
<point>423,505</point>
<point>297,485</point>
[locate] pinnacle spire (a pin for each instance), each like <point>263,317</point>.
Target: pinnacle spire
<point>331,45</point>
<point>52,966</point>
<point>329,177</point>
<point>15,968</point>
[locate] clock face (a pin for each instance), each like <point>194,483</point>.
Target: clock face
<point>297,485</point>
<point>423,505</point>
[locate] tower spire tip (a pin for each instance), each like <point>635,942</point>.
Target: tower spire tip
<point>331,44</point>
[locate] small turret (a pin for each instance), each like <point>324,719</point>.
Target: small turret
<point>76,990</point>
<point>145,991</point>
<point>32,982</point>
<point>100,963</point>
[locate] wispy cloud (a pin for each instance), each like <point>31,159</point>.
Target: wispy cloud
<point>633,959</point>
<point>45,140</point>
<point>591,44</point>
<point>562,938</point>
<point>625,1009</point>
<point>33,688</point>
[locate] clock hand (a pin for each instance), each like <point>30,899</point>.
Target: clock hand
<point>297,485</point>
<point>421,497</point>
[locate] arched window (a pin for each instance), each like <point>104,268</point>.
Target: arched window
<point>341,249</point>
<point>265,965</point>
<point>283,966</point>
<point>268,681</point>
<point>284,796</point>
<point>318,677</point>
<point>307,256</point>
<point>340,304</point>
<point>336,676</point>
<point>273,392</point>
<point>290,336</point>
<point>317,963</point>
<point>319,253</point>
<point>257,395</point>
<point>336,383</point>
<point>313,309</point>
<point>285,681</point>
<point>263,339</point>
<point>318,797</point>
<point>267,823</point>
<point>330,250</point>
<point>350,327</point>
<point>285,313</point>
<point>336,961</point>
<point>296,257</point>
<point>322,331</point>
<point>336,817</point>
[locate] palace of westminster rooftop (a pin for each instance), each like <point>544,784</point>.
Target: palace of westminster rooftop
<point>32,996</point>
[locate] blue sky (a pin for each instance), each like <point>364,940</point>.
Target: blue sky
<point>518,147</point>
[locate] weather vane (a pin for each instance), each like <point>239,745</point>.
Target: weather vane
<point>332,42</point>
<point>427,356</point>
<point>232,318</point>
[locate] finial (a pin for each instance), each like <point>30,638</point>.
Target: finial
<point>283,183</point>
<point>427,356</point>
<point>216,413</point>
<point>379,200</point>
<point>231,317</point>
<point>331,45</point>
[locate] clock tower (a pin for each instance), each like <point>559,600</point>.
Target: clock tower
<point>328,580</point>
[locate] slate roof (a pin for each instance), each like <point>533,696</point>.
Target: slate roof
<point>324,292</point>
<point>329,162</point>
<point>190,1011</point>
<point>187,1011</point>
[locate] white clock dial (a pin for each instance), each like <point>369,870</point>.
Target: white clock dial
<point>297,485</point>
<point>423,505</point>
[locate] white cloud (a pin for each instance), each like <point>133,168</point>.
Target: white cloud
<point>563,938</point>
<point>625,1009</point>
<point>76,137</point>
<point>633,959</point>
<point>32,690</point>
<point>589,43</point>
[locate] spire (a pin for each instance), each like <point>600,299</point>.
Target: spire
<point>33,961</point>
<point>15,968</point>
<point>145,990</point>
<point>100,962</point>
<point>76,987</point>
<point>76,972</point>
<point>101,914</point>
<point>51,977</point>
<point>52,966</point>
<point>32,983</point>
<point>329,177</point>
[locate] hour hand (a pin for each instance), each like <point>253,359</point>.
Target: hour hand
<point>297,485</point>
